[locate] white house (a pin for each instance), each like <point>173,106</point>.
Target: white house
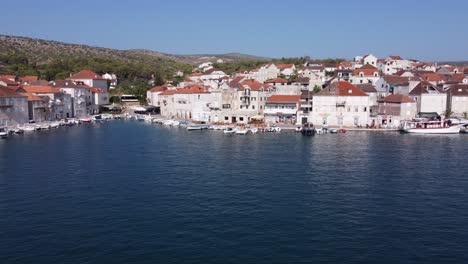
<point>282,109</point>
<point>457,99</point>
<point>340,104</point>
<point>286,69</point>
<point>111,79</point>
<point>429,98</point>
<point>365,74</point>
<point>370,59</point>
<point>90,78</point>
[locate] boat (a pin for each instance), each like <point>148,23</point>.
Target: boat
<point>254,130</point>
<point>229,130</point>
<point>341,130</point>
<point>419,126</point>
<point>29,128</point>
<point>273,129</point>
<point>85,120</point>
<point>196,127</point>
<point>242,131</point>
<point>44,126</point>
<point>3,132</point>
<point>333,130</point>
<point>54,124</point>
<point>308,130</point>
<point>298,129</point>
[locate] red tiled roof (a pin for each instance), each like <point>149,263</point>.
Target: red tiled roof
<point>398,98</point>
<point>277,80</point>
<point>424,88</point>
<point>5,92</point>
<point>68,84</point>
<point>367,70</point>
<point>341,88</point>
<point>158,89</point>
<point>40,89</point>
<point>6,76</point>
<point>32,97</point>
<point>284,99</point>
<point>29,78</point>
<point>192,89</point>
<point>395,57</point>
<point>86,74</point>
<point>396,80</point>
<point>459,90</point>
<point>97,90</point>
<point>169,92</point>
<point>7,81</point>
<point>432,77</point>
<point>284,66</point>
<point>253,84</point>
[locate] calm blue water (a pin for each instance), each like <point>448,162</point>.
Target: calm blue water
<point>128,192</point>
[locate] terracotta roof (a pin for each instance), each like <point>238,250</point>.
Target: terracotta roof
<point>97,90</point>
<point>192,89</point>
<point>7,81</point>
<point>367,70</point>
<point>158,89</point>
<point>277,80</point>
<point>341,88</point>
<point>169,92</point>
<point>395,57</point>
<point>86,74</point>
<point>283,99</point>
<point>398,98</point>
<point>459,90</point>
<point>43,89</point>
<point>253,85</point>
<point>302,80</point>
<point>6,76</point>
<point>68,84</point>
<point>432,77</point>
<point>425,88</point>
<point>32,97</point>
<point>367,87</point>
<point>284,66</point>
<point>396,80</point>
<point>5,92</point>
<point>29,78</point>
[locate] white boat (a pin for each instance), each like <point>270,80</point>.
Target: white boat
<point>167,123</point>
<point>85,120</point>
<point>196,127</point>
<point>273,129</point>
<point>254,130</point>
<point>175,123</point>
<point>29,128</point>
<point>242,131</point>
<point>3,132</point>
<point>229,130</point>
<point>429,127</point>
<point>44,126</point>
<point>54,124</point>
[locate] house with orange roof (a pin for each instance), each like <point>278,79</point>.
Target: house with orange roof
<point>89,78</point>
<point>340,104</point>
<point>13,107</point>
<point>282,109</point>
<point>365,74</point>
<point>38,107</point>
<point>80,98</point>
<point>265,72</point>
<point>286,69</point>
<point>429,98</point>
<point>395,108</point>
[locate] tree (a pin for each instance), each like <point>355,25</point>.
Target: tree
<point>448,113</point>
<point>317,89</point>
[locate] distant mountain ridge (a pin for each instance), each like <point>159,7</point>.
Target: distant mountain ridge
<point>42,51</point>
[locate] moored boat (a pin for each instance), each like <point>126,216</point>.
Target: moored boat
<point>429,127</point>
<point>229,130</point>
<point>3,132</point>
<point>196,127</point>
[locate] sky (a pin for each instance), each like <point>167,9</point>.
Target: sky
<point>425,30</point>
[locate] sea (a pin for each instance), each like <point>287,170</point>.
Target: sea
<point>132,192</point>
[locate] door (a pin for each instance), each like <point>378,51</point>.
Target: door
<point>234,119</point>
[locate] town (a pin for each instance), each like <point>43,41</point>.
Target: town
<point>366,92</point>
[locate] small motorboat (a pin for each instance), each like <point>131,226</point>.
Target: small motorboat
<point>29,128</point>
<point>44,126</point>
<point>254,130</point>
<point>85,120</point>
<point>341,130</point>
<point>333,130</point>
<point>3,132</point>
<point>196,127</point>
<point>298,129</point>
<point>229,130</point>
<point>242,131</point>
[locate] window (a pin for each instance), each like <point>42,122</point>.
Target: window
<point>356,109</point>
<point>253,106</point>
<point>261,107</point>
<point>241,119</point>
<point>241,106</point>
<point>226,118</point>
<point>226,106</point>
<point>365,109</point>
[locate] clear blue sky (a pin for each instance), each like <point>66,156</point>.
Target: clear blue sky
<point>428,30</point>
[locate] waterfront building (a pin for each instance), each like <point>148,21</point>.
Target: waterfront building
<point>81,102</point>
<point>38,108</point>
<point>111,80</point>
<point>340,104</point>
<point>59,103</point>
<point>395,108</point>
<point>429,98</point>
<point>13,107</point>
<point>457,99</point>
<point>282,109</point>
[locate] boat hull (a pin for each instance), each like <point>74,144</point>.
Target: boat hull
<point>445,130</point>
